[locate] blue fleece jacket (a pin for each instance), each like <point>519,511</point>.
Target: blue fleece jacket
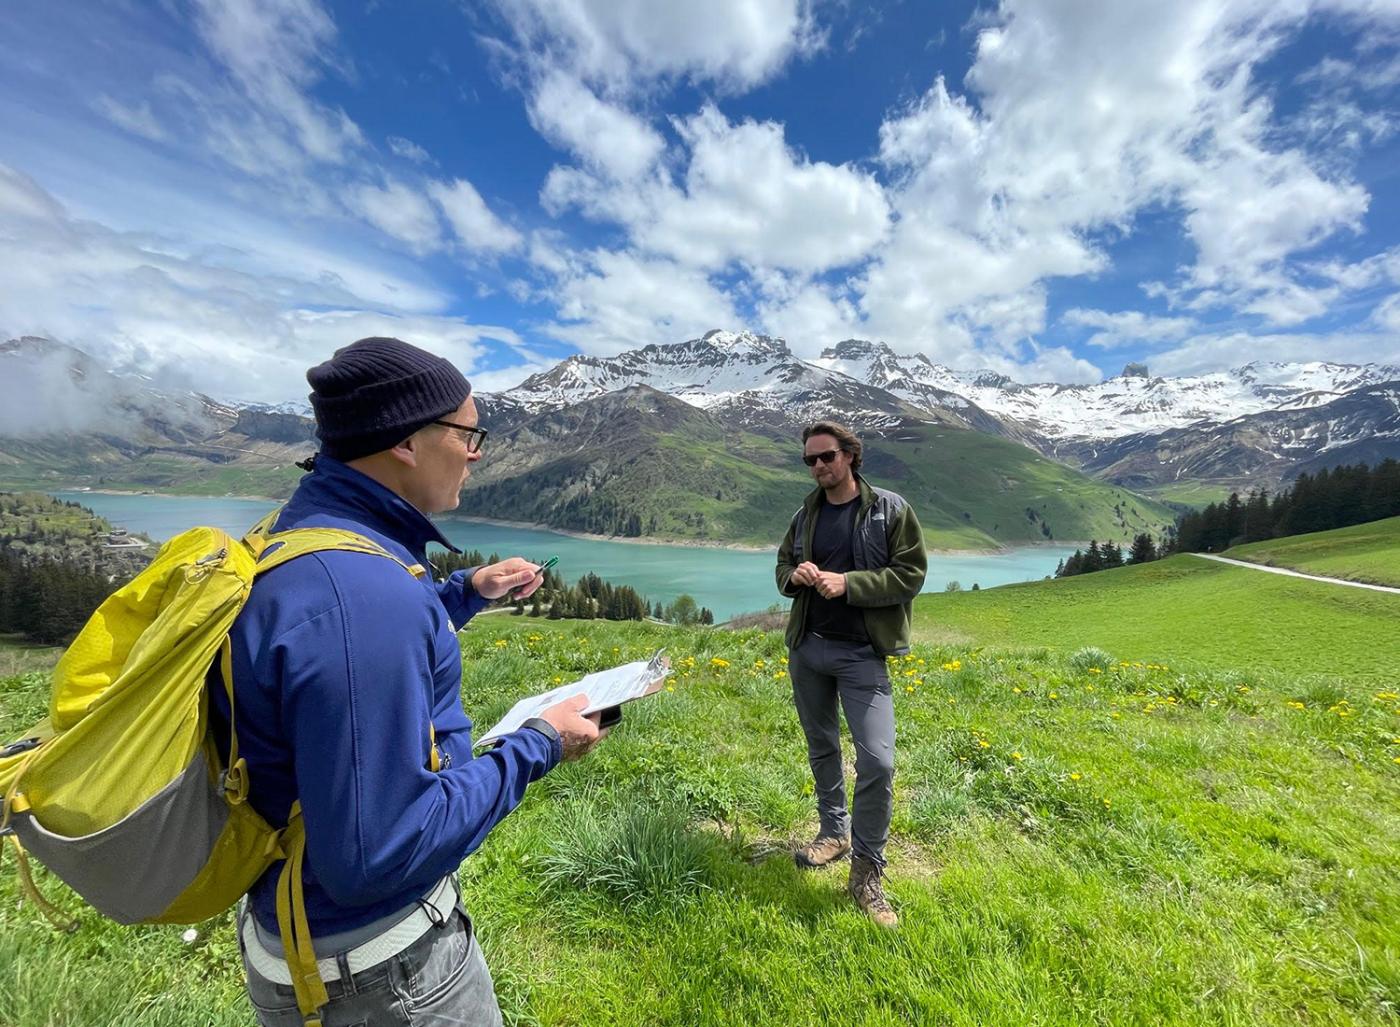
<point>340,661</point>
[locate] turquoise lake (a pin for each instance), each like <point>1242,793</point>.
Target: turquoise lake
<point>728,581</point>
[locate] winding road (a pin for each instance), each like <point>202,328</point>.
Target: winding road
<point>1298,574</point>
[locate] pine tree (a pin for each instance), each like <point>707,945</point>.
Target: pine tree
<point>1143,550</point>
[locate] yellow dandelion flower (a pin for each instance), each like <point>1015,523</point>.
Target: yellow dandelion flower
<point>909,689</point>
<point>982,743</point>
<point>1016,690</point>
<point>1054,695</point>
<point>1076,776</point>
<point>1017,756</point>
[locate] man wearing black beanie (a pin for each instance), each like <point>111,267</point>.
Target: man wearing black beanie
<point>347,680</point>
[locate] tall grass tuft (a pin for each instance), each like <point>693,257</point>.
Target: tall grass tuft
<point>1091,656</point>
<point>632,853</point>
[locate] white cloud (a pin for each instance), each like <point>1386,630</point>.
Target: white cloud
<point>409,150</point>
<point>1386,316</point>
<point>1079,118</point>
<point>275,50</point>
<point>1213,351</point>
<point>609,302</point>
<point>1128,327</point>
<point>399,211</point>
<point>620,45</point>
<point>607,138</point>
<point>189,319</point>
<point>477,229</point>
<point>501,379</point>
<point>135,118</point>
<point>745,197</point>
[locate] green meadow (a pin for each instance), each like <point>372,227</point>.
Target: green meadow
<point>1081,836</point>
<point>1364,552</point>
<point>1159,794</point>
<point>1184,609</point>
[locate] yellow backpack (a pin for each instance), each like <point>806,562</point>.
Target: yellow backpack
<point>121,791</point>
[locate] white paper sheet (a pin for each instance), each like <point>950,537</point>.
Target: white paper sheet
<point>604,688</point>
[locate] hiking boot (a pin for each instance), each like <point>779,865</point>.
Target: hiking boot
<point>864,886</point>
<point>823,850</point>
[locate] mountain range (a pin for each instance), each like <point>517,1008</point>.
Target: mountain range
<point>697,440</point>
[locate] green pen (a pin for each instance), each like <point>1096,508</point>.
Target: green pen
<point>543,567</point>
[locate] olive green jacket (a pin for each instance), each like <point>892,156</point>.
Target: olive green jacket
<point>890,564</point>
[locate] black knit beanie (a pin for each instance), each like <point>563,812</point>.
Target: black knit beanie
<point>377,392</point>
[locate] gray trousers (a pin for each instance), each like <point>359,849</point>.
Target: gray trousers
<point>439,980</point>
<point>827,673</point>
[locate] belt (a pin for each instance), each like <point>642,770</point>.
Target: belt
<point>386,945</point>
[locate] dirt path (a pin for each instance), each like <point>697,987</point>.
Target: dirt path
<point>1298,574</point>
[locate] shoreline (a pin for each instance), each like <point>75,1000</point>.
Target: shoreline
<point>589,537</point>
<point>158,495</point>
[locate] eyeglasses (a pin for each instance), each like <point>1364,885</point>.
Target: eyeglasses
<point>475,438</point>
<point>825,457</point>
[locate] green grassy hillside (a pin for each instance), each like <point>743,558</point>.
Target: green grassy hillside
<point>1074,842</point>
<point>964,483</point>
<point>686,475</point>
<point>1191,493</point>
<point>1183,609</point>
<point>235,466</point>
<point>1363,552</point>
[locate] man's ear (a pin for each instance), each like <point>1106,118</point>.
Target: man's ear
<point>406,452</point>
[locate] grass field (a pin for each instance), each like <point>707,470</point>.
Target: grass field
<point>1183,609</point>
<point>1190,493</point>
<point>1365,552</point>
<point>1079,838</point>
<point>20,656</point>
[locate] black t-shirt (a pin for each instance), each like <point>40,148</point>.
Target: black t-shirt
<point>831,551</point>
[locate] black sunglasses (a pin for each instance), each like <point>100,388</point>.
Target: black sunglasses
<point>825,457</point>
<point>475,438</point>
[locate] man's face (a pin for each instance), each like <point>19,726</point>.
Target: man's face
<point>829,471</point>
<point>444,463</point>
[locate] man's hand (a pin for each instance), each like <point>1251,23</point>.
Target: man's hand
<point>830,585</point>
<point>496,579</point>
<point>806,574</point>
<point>578,733</point>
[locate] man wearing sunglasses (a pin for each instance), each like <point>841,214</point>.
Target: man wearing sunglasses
<point>348,680</point>
<point>852,561</point>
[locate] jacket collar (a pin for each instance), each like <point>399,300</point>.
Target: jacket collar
<point>340,490</point>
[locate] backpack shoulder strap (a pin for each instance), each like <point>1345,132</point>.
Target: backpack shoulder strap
<point>273,549</point>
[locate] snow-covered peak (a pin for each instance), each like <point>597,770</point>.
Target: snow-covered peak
<point>870,383</point>
<point>755,376</point>
<point>1134,401</point>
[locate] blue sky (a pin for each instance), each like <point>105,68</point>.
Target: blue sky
<point>219,193</point>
